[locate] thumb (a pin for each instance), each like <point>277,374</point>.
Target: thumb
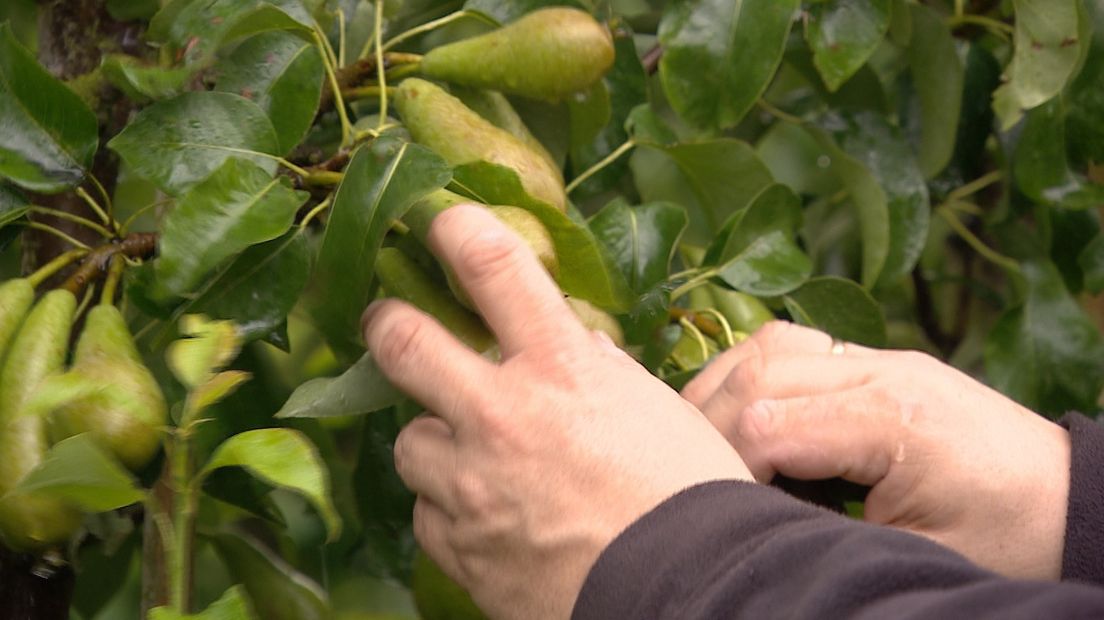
<point>840,434</point>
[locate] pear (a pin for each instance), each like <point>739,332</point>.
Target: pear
<point>547,54</point>
<point>522,222</point>
<point>493,106</point>
<point>29,521</point>
<point>108,392</point>
<point>443,123</point>
<point>401,277</point>
<point>595,319</point>
<point>16,297</point>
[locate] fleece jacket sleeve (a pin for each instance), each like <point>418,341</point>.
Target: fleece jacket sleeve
<point>731,549</point>
<point>1083,558</point>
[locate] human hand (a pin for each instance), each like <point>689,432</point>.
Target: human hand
<point>946,456</point>
<point>527,469</point>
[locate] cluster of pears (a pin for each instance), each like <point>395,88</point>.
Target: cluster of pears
<point>548,54</point>
<point>106,391</point>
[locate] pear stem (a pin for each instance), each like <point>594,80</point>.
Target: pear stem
<point>433,25</point>
<point>57,233</point>
<point>95,206</point>
<point>339,103</point>
<point>381,73</point>
<point>974,242</point>
<point>56,265</point>
<point>114,276</point>
<point>596,168</point>
<point>83,221</point>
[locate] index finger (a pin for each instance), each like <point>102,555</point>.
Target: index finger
<point>517,298</point>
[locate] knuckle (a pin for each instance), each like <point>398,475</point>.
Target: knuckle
<point>472,494</point>
<point>484,256</point>
<point>759,421</point>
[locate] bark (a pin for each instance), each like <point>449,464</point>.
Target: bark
<point>72,35</point>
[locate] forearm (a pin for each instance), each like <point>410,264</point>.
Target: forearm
<point>737,550</point>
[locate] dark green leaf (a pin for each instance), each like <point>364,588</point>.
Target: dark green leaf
<point>50,135</point>
<point>712,178</point>
<point>1040,166</point>
<point>238,206</point>
<point>590,112</point>
<point>1047,50</point>
<point>282,74</point>
<point>795,159</point>
<point>195,29</point>
<point>504,11</point>
<point>843,34</point>
<point>586,271</point>
<point>78,471</point>
<point>127,10</point>
<point>975,124</point>
<point>361,389</point>
<point>260,287</point>
<point>840,307</point>
<point>143,82</point>
<point>756,252</point>
<point>642,240</point>
<point>383,179</point>
<point>627,86</point>
<point>1092,265</point>
<point>648,315</point>
<point>285,458</point>
<point>236,487</point>
<point>880,171</point>
<point>720,55</point>
<point>1085,97</point>
<point>1046,353</point>
<point>233,605</point>
<point>385,513</point>
<point>938,76</point>
<point>102,570</point>
<point>277,589</point>
<point>13,205</point>
<point>179,142</point>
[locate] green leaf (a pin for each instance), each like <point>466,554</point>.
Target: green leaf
<point>505,11</point>
<point>1046,353</point>
<point>641,240</point>
<point>285,458</point>
<point>261,286</point>
<point>128,10</point>
<point>282,74</point>
<point>80,472</point>
<point>277,589</point>
<point>795,159</point>
<point>938,76</point>
<point>361,389</point>
<point>1040,166</point>
<point>382,181</point>
<point>143,82</point>
<point>1085,97</point>
<point>103,569</point>
<point>720,55</point>
<point>208,346</point>
<point>233,605</point>
<point>1091,261</point>
<point>236,487</point>
<point>843,34</point>
<point>840,307</point>
<point>756,251</point>
<point>13,205</point>
<point>179,142</point>
<point>50,135</point>
<point>627,86</point>
<point>239,205</point>
<point>195,29</point>
<point>1047,50</point>
<point>590,111</point>
<point>880,172</point>
<point>712,178</point>
<point>585,269</point>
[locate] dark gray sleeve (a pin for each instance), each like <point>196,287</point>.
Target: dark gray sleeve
<point>1083,558</point>
<point>738,550</point>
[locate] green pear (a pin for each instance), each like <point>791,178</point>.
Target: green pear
<point>454,131</point>
<point>28,521</point>
<point>494,106</point>
<point>521,221</point>
<point>401,277</point>
<point>108,392</point>
<point>438,597</point>
<point>595,319</point>
<point>16,297</point>
<point>547,54</point>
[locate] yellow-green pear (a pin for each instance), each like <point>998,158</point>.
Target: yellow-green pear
<point>547,54</point>
<point>595,319</point>
<point>493,106</point>
<point>454,131</point>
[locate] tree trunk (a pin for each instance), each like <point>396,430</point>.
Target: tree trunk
<point>72,36</point>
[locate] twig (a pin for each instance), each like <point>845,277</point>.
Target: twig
<point>134,245</point>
